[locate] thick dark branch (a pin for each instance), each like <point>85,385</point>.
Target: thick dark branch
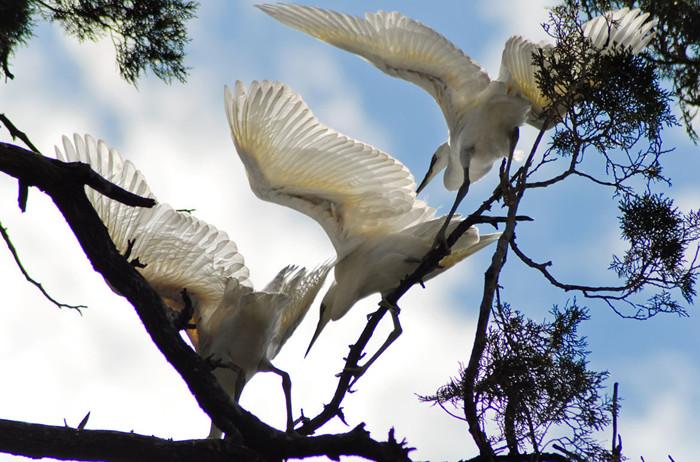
<point>49,174</point>
<point>31,280</point>
<point>65,443</point>
<point>65,184</point>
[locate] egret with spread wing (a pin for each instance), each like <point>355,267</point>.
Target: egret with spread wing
<point>482,115</point>
<point>237,327</point>
<point>364,199</point>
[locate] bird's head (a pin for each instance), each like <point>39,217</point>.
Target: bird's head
<point>437,163</point>
<point>324,315</point>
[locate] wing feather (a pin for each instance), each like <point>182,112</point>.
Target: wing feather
<point>352,189</point>
<point>619,29</point>
<point>302,288</point>
<point>179,250</point>
<point>623,28</point>
<point>398,45</point>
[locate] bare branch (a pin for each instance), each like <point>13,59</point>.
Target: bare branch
<point>16,133</point>
<point>65,443</point>
<point>542,267</point>
<point>31,280</point>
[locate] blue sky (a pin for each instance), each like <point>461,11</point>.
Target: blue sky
<point>60,365</point>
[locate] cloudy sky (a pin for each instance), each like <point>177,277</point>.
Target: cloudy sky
<point>59,365</point>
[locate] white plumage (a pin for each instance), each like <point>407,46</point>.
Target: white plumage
<point>482,115</point>
<point>242,328</point>
<point>362,197</point>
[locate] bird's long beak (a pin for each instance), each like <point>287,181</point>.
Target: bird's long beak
<point>429,175</point>
<point>437,163</point>
<point>319,327</point>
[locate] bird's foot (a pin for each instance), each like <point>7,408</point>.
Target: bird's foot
<point>214,362</point>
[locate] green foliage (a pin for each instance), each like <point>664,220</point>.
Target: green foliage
<point>15,29</point>
<point>610,102</point>
<point>146,34</point>
<point>659,236</point>
<point>675,49</point>
<point>535,384</point>
<point>609,106</point>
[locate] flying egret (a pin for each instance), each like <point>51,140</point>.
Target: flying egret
<point>364,199</point>
<point>236,326</point>
<point>482,115</point>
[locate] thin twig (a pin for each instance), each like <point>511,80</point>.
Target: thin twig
<point>16,133</point>
<point>542,267</point>
<point>31,280</point>
<point>616,448</point>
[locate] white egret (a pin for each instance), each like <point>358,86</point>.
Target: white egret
<point>482,115</point>
<point>236,326</point>
<point>363,198</point>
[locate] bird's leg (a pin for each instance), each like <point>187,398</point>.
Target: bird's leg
<point>441,238</point>
<point>287,388</point>
<point>357,372</point>
<point>508,194</point>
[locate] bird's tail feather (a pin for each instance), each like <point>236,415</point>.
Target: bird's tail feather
<point>460,253</point>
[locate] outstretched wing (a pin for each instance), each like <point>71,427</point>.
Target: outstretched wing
<point>352,189</point>
<point>398,45</point>
<point>518,71</point>
<point>620,29</point>
<point>623,28</point>
<point>119,219</point>
<point>183,252</point>
<point>302,288</point>
<point>178,250</point>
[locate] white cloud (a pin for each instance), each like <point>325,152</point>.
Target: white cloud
<point>667,423</point>
<point>511,18</point>
<point>313,72</point>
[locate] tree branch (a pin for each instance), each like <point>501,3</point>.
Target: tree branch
<point>65,443</point>
<point>16,133</point>
<point>33,281</point>
<point>65,184</point>
<point>512,199</point>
